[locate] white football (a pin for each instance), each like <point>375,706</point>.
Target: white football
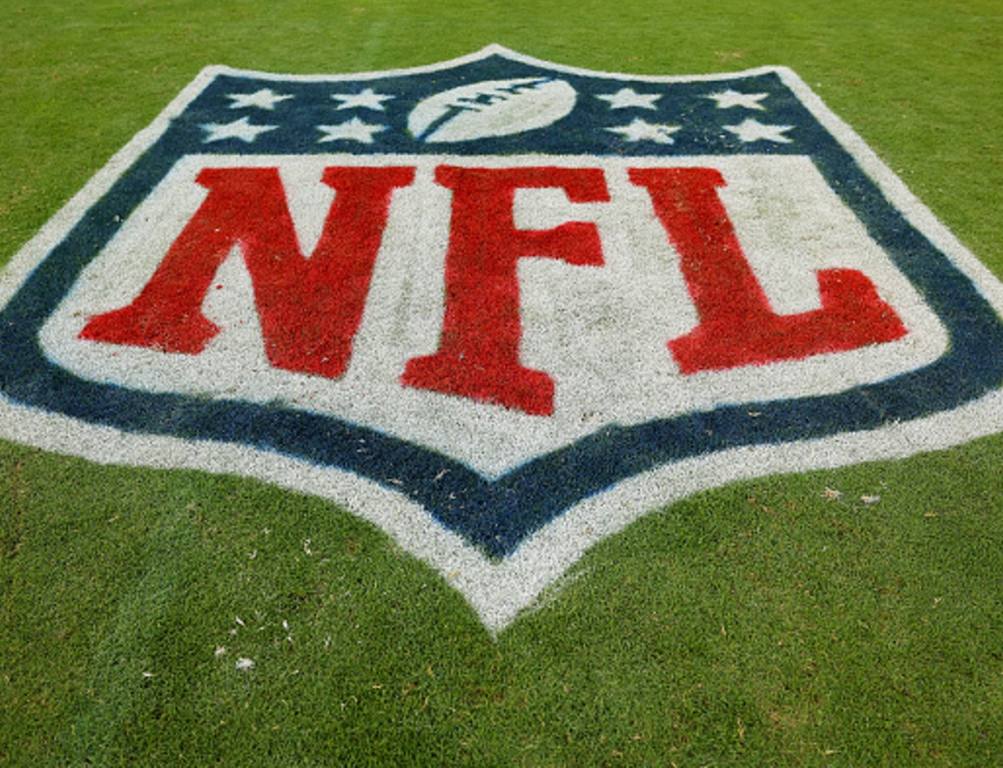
<point>491,108</point>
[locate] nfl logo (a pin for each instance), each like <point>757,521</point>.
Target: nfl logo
<point>497,306</point>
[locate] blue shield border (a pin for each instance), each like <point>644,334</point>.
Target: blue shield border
<point>496,516</point>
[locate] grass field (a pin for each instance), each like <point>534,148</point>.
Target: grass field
<point>759,624</point>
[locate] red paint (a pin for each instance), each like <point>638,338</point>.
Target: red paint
<point>309,308</point>
<point>478,355</point>
<point>737,326</point>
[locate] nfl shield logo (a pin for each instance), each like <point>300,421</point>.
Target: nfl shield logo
<point>497,306</point>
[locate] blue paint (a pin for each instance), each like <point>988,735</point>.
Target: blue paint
<point>497,515</point>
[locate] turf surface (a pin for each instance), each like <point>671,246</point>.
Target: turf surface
<point>760,624</point>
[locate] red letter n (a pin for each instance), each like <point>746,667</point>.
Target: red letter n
<point>310,308</point>
<point>478,354</point>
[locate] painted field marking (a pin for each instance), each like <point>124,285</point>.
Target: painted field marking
<point>499,307</point>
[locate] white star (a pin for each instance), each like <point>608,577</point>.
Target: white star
<point>367,99</point>
<point>266,98</point>
<point>728,99</point>
<point>238,129</point>
<point>753,130</point>
<point>353,130</point>
<point>628,97</point>
<point>642,130</point>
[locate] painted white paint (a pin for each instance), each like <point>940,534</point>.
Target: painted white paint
<point>497,592</point>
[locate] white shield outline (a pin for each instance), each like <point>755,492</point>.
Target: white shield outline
<point>498,591</point>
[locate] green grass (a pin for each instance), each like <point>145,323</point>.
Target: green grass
<point>759,624</point>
